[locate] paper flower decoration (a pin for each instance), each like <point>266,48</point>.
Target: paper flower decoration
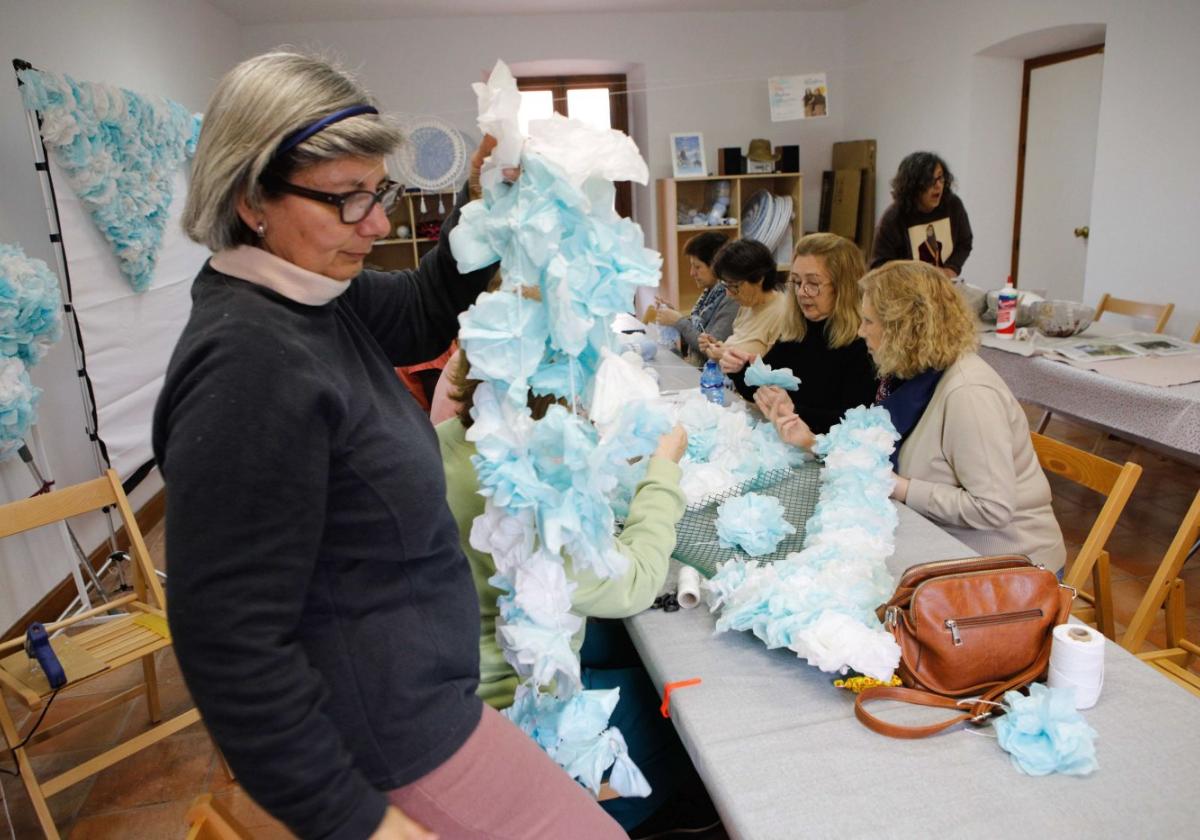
<point>820,602</point>
<point>29,306</point>
<point>754,523</point>
<point>1044,733</point>
<point>17,400</point>
<point>120,152</point>
<point>758,374</point>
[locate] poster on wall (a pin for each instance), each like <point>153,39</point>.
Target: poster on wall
<point>798,97</point>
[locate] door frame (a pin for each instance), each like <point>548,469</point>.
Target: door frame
<point>1032,64</point>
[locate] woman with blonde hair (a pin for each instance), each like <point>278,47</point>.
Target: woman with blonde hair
<point>824,350</point>
<point>321,607</point>
<point>965,458</point>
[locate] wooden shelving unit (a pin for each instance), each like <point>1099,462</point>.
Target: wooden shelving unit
<point>676,285</point>
<point>395,253</point>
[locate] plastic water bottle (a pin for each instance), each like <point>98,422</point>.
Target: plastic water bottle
<point>712,383</point>
<point>1006,311</point>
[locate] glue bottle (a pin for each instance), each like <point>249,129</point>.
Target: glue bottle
<point>1006,311</point>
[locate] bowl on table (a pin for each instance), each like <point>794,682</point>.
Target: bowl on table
<point>1062,318</point>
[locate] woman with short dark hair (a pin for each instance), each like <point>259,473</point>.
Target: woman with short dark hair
<point>714,311</point>
<point>926,220</point>
<point>747,270</point>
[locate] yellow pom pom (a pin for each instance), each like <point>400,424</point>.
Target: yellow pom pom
<point>859,683</point>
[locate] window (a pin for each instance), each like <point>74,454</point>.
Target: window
<point>596,100</point>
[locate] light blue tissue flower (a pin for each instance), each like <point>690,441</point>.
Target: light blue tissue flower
<point>758,374</point>
<point>120,152</point>
<point>29,306</point>
<point>753,523</point>
<point>504,337</point>
<point>18,398</point>
<point>1044,733</point>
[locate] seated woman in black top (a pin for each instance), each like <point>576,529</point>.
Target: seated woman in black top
<point>832,362</point>
<point>926,220</point>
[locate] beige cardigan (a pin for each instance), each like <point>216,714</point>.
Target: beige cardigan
<point>972,468</point>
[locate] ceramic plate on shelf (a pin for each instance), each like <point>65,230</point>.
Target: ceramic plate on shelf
<point>755,211</point>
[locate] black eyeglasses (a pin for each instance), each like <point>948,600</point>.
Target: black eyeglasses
<point>352,207</point>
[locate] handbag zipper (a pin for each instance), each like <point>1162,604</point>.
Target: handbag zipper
<point>955,624</point>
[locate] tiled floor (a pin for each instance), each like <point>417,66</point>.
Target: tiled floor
<point>147,795</point>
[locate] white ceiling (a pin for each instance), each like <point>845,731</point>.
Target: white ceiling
<point>303,11</point>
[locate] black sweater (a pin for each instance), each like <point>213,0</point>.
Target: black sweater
<point>831,379</point>
<point>893,240</point>
<point>323,612</point>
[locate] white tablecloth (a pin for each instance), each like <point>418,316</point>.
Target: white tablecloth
<point>783,756</point>
<point>1168,417</point>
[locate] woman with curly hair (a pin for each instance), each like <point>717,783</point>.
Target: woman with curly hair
<point>926,220</point>
<point>965,458</point>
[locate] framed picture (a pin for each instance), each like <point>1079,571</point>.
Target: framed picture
<point>687,155</point>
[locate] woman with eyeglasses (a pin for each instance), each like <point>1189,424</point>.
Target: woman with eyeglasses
<point>747,270</point>
<point>926,221</point>
<point>824,350</point>
<point>965,459</point>
<point>322,610</point>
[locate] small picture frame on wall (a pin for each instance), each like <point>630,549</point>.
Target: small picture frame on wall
<point>687,155</point>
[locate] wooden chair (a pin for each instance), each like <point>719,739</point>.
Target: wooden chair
<point>1136,309</point>
<point>1108,479</point>
<point>209,820</point>
<point>1166,590</point>
<point>98,649</point>
<point>1196,335</point>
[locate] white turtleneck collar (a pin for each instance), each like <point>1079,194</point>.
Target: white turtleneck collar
<point>254,265</point>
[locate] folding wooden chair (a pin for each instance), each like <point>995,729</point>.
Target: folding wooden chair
<point>1108,479</point>
<point>209,820</point>
<point>1166,589</point>
<point>90,652</point>
<point>1161,312</point>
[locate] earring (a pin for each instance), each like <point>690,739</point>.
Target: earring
<point>261,230</point>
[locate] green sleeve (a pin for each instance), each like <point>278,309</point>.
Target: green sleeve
<point>647,542</point>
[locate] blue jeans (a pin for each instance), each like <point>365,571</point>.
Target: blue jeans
<point>609,660</point>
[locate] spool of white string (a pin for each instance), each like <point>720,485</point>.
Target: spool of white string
<point>1077,661</point>
<point>687,589</point>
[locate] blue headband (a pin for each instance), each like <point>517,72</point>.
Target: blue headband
<point>297,137</point>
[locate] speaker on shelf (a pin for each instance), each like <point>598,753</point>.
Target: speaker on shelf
<point>730,161</point>
<point>790,162</point>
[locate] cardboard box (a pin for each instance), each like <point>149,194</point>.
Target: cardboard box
<point>844,211</point>
<point>860,154</point>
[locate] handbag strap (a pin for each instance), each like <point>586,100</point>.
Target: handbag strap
<point>979,709</point>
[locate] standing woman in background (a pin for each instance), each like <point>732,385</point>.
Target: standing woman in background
<point>322,611</point>
<point>926,221</point>
<point>713,313</point>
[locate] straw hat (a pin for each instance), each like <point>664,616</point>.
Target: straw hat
<point>760,149</point>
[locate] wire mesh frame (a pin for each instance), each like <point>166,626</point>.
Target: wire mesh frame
<point>797,488</point>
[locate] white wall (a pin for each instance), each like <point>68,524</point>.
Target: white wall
<point>934,74</point>
<point>700,72</point>
<point>171,48</point>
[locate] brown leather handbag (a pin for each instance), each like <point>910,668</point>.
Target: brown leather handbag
<point>972,628</point>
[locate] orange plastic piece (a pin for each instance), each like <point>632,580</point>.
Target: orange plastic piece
<point>665,708</point>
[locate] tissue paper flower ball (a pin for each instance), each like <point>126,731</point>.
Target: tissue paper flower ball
<point>29,306</point>
<point>753,523</point>
<point>17,399</point>
<point>1044,733</point>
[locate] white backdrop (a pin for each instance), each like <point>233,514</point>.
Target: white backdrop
<point>127,336</point>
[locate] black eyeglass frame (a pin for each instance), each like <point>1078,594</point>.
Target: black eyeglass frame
<point>338,200</point>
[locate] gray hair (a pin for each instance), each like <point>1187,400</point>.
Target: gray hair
<point>254,108</point>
